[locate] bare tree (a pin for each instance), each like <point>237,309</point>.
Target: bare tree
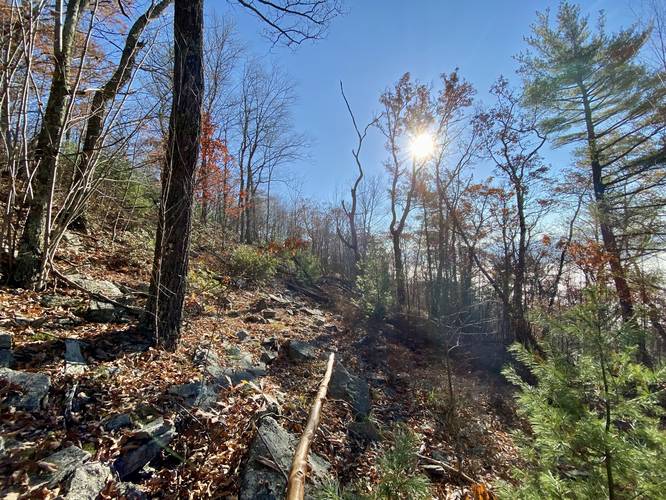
<point>350,213</point>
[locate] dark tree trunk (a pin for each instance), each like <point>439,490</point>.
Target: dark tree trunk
<point>170,266</point>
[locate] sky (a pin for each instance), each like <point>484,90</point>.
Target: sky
<point>373,44</point>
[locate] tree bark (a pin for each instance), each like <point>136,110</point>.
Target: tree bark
<point>170,266</point>
<point>28,265</point>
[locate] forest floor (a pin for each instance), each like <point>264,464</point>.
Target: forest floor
<point>99,406</point>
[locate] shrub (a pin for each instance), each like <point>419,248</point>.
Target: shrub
<point>399,475</point>
<point>251,263</point>
<point>593,412</point>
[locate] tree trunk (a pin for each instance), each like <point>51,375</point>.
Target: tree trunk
<point>29,262</point>
<point>170,266</point>
<point>400,287</point>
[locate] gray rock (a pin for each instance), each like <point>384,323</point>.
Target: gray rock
<point>88,481</point>
<point>60,465</point>
<point>268,357</point>
<point>331,328</point>
<point>75,363</point>
<point>197,394</point>
<point>59,301</point>
<point>72,240</point>
<point>269,313</point>
<point>301,351</point>
<point>255,318</point>
<point>273,442</point>
<point>239,366</point>
<point>6,340</point>
<point>6,358</point>
<point>117,421</point>
<point>102,312</point>
<point>130,491</point>
<point>242,335</point>
<point>351,388</point>
<point>32,389</point>
<point>102,287</point>
<point>364,431</point>
<point>319,321</point>
<point>143,446</point>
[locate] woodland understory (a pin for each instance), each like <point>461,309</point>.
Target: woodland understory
<point>473,317</point>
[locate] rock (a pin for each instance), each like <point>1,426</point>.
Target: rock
<point>261,482</point>
<point>72,240</point>
<point>311,312</point>
<point>198,394</point>
<point>6,358</point>
<point>130,491</point>
<point>351,388</point>
<point>271,344</point>
<point>143,446</point>
<point>269,313</point>
<point>75,363</point>
<point>59,301</point>
<point>31,392</point>
<point>117,421</point>
<point>60,465</point>
<point>331,328</point>
<point>278,299</point>
<point>364,431</point>
<point>268,357</point>
<point>259,305</point>
<point>88,481</point>
<point>318,320</point>
<point>301,351</point>
<point>239,368</point>
<point>242,335</point>
<point>6,340</point>
<point>102,287</point>
<point>102,312</point>
<point>255,318</point>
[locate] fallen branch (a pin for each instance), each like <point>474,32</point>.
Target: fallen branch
<point>136,311</point>
<point>447,467</point>
<point>298,471</point>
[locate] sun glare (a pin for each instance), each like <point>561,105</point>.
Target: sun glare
<point>422,146</point>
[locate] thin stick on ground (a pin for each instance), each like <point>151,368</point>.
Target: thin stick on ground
<point>298,471</point>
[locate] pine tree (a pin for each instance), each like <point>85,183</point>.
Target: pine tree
<point>594,413</point>
<point>597,95</point>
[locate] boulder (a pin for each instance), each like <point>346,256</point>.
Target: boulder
<point>197,394</point>
<point>6,340</point>
<point>143,446</point>
<point>31,392</point>
<point>102,287</point>
<point>258,481</point>
<point>352,389</point>
<point>99,311</point>
<point>60,301</point>
<point>6,358</point>
<point>75,363</point>
<point>242,335</point>
<point>117,421</point>
<point>88,481</point>
<point>60,465</point>
<point>301,351</point>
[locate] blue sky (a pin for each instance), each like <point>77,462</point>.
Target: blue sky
<point>373,44</point>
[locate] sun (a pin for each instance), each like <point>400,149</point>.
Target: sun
<point>422,145</point>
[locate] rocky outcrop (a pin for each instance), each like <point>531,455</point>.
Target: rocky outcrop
<point>61,464</point>
<point>87,481</point>
<point>258,481</point>
<point>351,388</point>
<point>28,391</point>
